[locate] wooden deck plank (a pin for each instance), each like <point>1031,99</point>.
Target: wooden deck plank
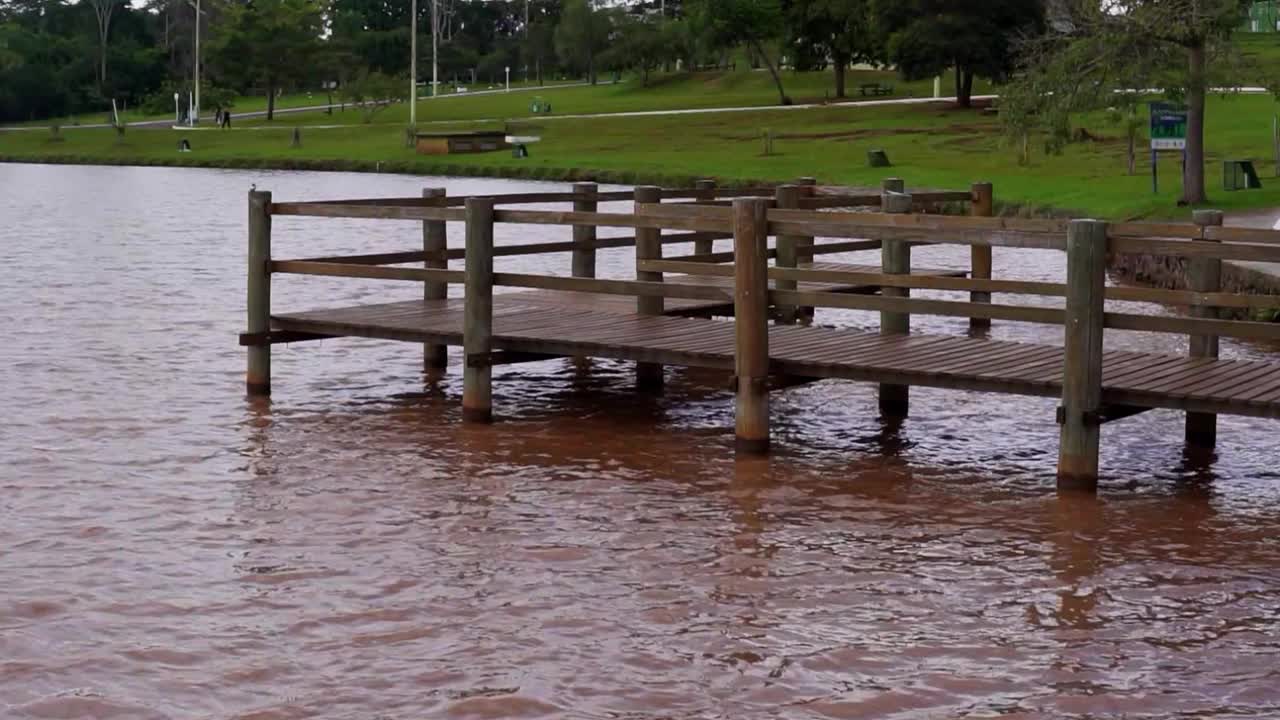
<point>531,322</point>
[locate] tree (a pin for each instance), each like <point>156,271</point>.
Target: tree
<point>976,37</point>
<point>839,29</point>
<point>757,24</point>
<point>1091,52</point>
<point>102,11</point>
<point>582,34</point>
<point>267,43</point>
<point>373,92</point>
<point>639,45</point>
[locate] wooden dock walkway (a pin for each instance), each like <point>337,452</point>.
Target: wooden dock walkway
<point>735,312</point>
<point>523,323</point>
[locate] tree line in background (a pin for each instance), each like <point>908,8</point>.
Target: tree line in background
<point>62,58</point>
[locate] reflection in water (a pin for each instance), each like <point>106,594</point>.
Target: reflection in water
<point>349,549</point>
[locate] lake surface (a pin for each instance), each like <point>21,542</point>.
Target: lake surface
<point>348,549</point>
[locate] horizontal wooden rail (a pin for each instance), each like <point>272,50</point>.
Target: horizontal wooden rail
<point>371,212</point>
<point>945,308</point>
<point>369,272</point>
<point>1242,329</point>
<point>636,288</point>
<point>818,202</point>
<point>841,247</point>
<point>1191,248</point>
<point>543,217</point>
<point>387,258</point>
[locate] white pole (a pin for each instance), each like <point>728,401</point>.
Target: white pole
<point>177,110</point>
<point>413,64</point>
<point>195,115</point>
<point>937,86</point>
<point>508,69</point>
<point>435,47</point>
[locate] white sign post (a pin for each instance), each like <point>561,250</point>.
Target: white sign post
<point>508,69</point>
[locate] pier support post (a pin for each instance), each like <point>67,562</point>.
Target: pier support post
<point>584,236</point>
<point>648,247</point>
<point>257,378</point>
<point>477,332</point>
<point>1082,356</point>
<point>981,204</point>
<point>1204,275</point>
<point>435,239</point>
<point>787,197</point>
<point>895,259</point>
<point>804,245</point>
<point>751,324</point>
<point>706,190</point>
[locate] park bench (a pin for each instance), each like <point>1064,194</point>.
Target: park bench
<point>875,89</point>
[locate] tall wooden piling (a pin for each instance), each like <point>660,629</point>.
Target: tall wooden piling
<point>981,204</point>
<point>1204,275</point>
<point>787,197</point>
<point>706,189</point>
<point>435,240</point>
<point>895,259</point>
<point>751,324</point>
<point>1082,350</point>
<point>804,246</point>
<point>477,330</point>
<point>584,236</point>
<point>649,376</point>
<point>258,374</point>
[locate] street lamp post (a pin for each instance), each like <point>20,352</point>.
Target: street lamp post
<point>195,67</point>
<point>413,64</point>
<point>435,47</point>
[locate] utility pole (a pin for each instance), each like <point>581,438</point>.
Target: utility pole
<point>413,64</point>
<point>435,47</point>
<point>195,110</point>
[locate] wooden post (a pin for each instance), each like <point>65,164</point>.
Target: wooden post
<point>895,259</point>
<point>1204,275</point>
<point>1082,350</point>
<point>435,239</point>
<point>706,192</point>
<point>751,324</point>
<point>257,377</point>
<point>788,197</point>
<point>477,331</point>
<point>648,247</point>
<point>584,236</point>
<point>804,245</point>
<point>980,205</point>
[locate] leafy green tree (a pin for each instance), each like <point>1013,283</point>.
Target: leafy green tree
<point>583,33</point>
<point>373,92</point>
<point>1089,54</point>
<point>638,45</point>
<point>976,37</point>
<point>267,43</point>
<point>756,24</point>
<point>839,29</point>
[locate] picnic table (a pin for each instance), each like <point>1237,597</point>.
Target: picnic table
<point>875,89</point>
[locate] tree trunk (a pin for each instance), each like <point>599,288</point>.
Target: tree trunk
<point>1193,177</point>
<point>768,62</point>
<point>539,66</point>
<point>271,100</point>
<point>964,84</point>
<point>841,63</point>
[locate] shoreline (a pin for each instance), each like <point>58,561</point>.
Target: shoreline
<point>505,172</point>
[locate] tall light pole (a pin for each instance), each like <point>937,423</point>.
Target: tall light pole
<point>435,48</point>
<point>195,70</point>
<point>413,64</point>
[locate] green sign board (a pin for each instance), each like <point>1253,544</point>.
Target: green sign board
<point>1168,126</point>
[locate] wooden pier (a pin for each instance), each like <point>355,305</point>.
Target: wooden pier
<point>667,314</point>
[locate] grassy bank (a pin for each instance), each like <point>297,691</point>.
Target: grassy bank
<point>930,145</point>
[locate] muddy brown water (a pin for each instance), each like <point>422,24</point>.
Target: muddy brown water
<point>349,549</point>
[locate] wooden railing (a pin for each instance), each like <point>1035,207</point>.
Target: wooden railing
<point>751,219</point>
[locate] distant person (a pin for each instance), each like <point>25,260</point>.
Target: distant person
<point>226,118</point>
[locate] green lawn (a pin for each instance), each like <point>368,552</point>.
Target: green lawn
<point>933,145</point>
<point>743,88</point>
